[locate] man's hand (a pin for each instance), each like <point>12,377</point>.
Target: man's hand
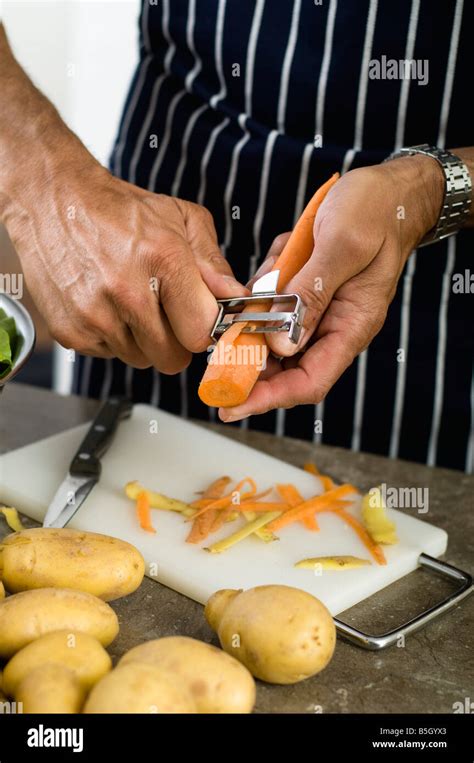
<point>120,272</point>
<point>115,270</point>
<point>366,228</point>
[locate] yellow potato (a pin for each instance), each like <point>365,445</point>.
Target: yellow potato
<point>332,563</point>
<point>50,688</point>
<point>217,682</point>
<point>281,634</point>
<point>80,653</point>
<point>157,500</point>
<point>2,591</point>
<point>45,557</point>
<point>374,515</point>
<point>26,616</point>
<point>138,688</point>
<point>12,517</point>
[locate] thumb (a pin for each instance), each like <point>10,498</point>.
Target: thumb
<point>217,274</point>
<point>329,266</point>
<point>213,267</point>
<point>276,248</point>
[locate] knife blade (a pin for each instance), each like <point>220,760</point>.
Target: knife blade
<point>85,469</point>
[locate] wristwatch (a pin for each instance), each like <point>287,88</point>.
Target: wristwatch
<point>457,192</point>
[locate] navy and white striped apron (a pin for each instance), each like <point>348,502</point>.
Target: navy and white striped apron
<point>240,95</point>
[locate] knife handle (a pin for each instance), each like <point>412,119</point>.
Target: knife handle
<point>99,437</point>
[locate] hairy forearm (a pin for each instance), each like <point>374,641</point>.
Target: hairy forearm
<point>36,146</point>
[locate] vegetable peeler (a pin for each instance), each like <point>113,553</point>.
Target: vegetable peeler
<point>264,291</point>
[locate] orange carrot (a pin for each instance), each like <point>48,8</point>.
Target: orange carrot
<point>221,518</point>
<point>327,482</point>
<point>359,528</point>
<point>261,506</point>
<point>293,498</point>
<point>229,383</point>
<point>290,494</point>
<point>311,523</point>
<point>222,503</point>
<point>210,503</point>
<point>202,525</point>
<point>308,508</point>
<point>143,512</point>
<point>214,490</point>
<point>257,496</point>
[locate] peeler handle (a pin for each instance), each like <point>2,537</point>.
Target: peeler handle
<point>368,641</point>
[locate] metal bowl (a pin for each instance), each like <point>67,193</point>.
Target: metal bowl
<point>26,330</point>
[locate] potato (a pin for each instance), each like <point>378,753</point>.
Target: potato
<point>28,615</point>
<point>61,558</point>
<point>80,653</point>
<point>139,688</point>
<point>216,681</point>
<point>50,688</point>
<point>2,591</point>
<point>283,635</point>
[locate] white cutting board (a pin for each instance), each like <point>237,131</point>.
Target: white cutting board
<point>179,459</point>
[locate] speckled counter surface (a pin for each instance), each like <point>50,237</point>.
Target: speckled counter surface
<point>429,674</point>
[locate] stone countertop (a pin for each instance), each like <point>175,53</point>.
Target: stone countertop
<point>428,674</point>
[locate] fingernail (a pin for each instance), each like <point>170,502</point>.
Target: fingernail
<point>265,267</point>
<point>227,419</point>
<point>233,283</point>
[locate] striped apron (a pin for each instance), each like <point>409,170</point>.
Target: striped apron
<point>246,106</point>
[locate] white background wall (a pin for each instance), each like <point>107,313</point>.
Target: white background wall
<point>81,54</point>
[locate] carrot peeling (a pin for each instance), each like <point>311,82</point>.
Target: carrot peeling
<point>229,383</point>
<point>223,503</point>
<point>143,511</point>
<point>311,523</point>
<point>359,528</point>
<point>293,497</point>
<point>308,508</point>
<point>202,525</point>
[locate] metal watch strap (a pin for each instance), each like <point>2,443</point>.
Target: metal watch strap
<point>457,194</point>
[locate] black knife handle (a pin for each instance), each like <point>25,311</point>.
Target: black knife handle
<point>86,462</point>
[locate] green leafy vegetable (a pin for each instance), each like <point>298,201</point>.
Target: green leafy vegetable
<point>9,342</point>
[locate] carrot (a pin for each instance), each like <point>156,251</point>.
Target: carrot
<point>290,494</point>
<point>327,482</point>
<point>229,383</point>
<point>143,512</point>
<point>221,518</point>
<point>202,525</point>
<point>257,496</point>
<point>293,498</point>
<point>222,503</point>
<point>311,523</point>
<point>213,491</point>
<point>262,506</point>
<point>372,547</point>
<point>210,503</point>
<point>308,508</point>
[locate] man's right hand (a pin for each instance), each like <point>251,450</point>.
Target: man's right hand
<point>115,270</point>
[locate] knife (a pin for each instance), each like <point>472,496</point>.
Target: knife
<point>85,469</point>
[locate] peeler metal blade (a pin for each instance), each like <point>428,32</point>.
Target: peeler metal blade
<point>264,290</point>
